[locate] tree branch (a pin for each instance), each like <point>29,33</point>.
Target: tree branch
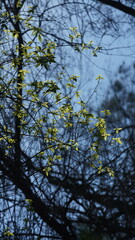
<point>119,6</point>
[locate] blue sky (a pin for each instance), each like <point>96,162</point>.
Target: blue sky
<point>115,52</point>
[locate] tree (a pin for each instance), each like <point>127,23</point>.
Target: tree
<point>120,100</point>
<point>109,202</point>
<point>49,172</point>
<point>41,125</point>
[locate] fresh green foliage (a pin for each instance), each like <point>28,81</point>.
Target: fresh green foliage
<point>8,233</point>
<point>46,109</point>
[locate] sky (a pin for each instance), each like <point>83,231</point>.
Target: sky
<point>106,63</point>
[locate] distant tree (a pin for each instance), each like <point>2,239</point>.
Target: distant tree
<point>110,213</point>
<point>120,100</point>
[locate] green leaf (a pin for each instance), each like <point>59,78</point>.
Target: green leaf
<point>70,85</point>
